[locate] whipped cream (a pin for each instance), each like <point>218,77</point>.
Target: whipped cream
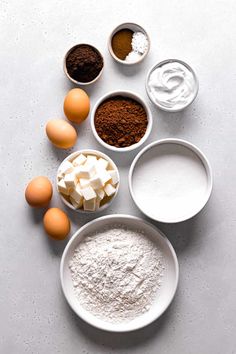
<point>172,85</point>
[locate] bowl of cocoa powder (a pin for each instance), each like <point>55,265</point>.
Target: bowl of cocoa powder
<point>83,64</point>
<point>121,121</point>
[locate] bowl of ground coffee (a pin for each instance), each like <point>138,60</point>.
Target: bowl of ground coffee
<point>121,121</point>
<point>83,64</point>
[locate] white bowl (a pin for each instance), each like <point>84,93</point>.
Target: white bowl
<point>170,180</point>
<point>71,78</point>
<point>134,96</point>
<point>135,28</point>
<point>165,293</point>
<point>160,105</point>
<point>98,154</point>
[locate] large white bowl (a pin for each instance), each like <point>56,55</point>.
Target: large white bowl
<point>165,293</point>
<point>135,97</point>
<point>170,180</point>
<point>97,153</point>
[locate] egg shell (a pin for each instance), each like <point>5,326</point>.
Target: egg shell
<point>76,105</point>
<point>56,223</point>
<point>61,133</point>
<point>38,192</point>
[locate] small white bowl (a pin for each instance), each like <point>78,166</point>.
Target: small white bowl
<point>71,78</point>
<point>98,154</point>
<point>135,28</point>
<point>170,180</point>
<point>165,293</point>
<point>160,105</point>
<point>134,96</point>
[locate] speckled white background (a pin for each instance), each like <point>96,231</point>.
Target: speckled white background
<point>34,37</point>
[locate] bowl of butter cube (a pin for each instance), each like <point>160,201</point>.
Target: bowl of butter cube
<point>87,181</point>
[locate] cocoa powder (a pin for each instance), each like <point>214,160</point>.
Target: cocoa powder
<point>120,121</point>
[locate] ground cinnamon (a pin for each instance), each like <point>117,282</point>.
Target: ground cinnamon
<point>120,121</point>
<point>121,43</point>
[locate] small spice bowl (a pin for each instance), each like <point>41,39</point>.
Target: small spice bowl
<point>134,28</point>
<point>65,68</point>
<point>180,89</point>
<point>125,94</point>
<point>106,201</point>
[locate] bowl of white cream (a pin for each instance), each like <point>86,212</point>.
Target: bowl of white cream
<point>172,85</point>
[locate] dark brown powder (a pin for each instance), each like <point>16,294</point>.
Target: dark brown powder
<point>120,121</point>
<point>84,63</point>
<point>121,43</point>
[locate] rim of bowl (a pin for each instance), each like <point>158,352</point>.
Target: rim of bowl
<point>202,158</point>
<point>165,62</point>
<point>71,78</point>
<point>123,216</point>
<point>124,93</point>
<point>100,154</point>
<point>128,25</point>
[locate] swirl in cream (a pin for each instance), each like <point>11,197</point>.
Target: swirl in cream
<point>172,85</point>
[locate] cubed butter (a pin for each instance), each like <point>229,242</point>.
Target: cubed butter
<point>85,171</point>
<point>77,195</point>
<point>70,180</point>
<point>100,194</point>
<point>79,160</point>
<point>114,176</point>
<point>96,182</point>
<point>91,160</point>
<point>62,187</point>
<point>105,176</point>
<point>74,203</point>
<point>84,182</point>
<point>109,190</point>
<point>88,193</point>
<point>89,205</point>
<point>66,167</point>
<point>102,163</point>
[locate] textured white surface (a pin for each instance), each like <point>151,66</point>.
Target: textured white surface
<point>34,37</point>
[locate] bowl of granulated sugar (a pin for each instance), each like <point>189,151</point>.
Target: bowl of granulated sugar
<point>119,273</point>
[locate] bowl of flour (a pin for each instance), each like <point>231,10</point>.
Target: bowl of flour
<point>119,273</point>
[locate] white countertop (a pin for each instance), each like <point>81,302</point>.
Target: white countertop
<point>35,35</point>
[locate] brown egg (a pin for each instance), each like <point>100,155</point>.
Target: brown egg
<point>39,191</point>
<point>76,105</point>
<point>56,223</point>
<point>61,133</point>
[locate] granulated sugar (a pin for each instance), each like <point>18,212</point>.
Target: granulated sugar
<point>116,273</point>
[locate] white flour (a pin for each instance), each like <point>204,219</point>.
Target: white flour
<point>116,273</point>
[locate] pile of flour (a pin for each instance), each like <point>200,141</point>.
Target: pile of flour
<point>116,273</point>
